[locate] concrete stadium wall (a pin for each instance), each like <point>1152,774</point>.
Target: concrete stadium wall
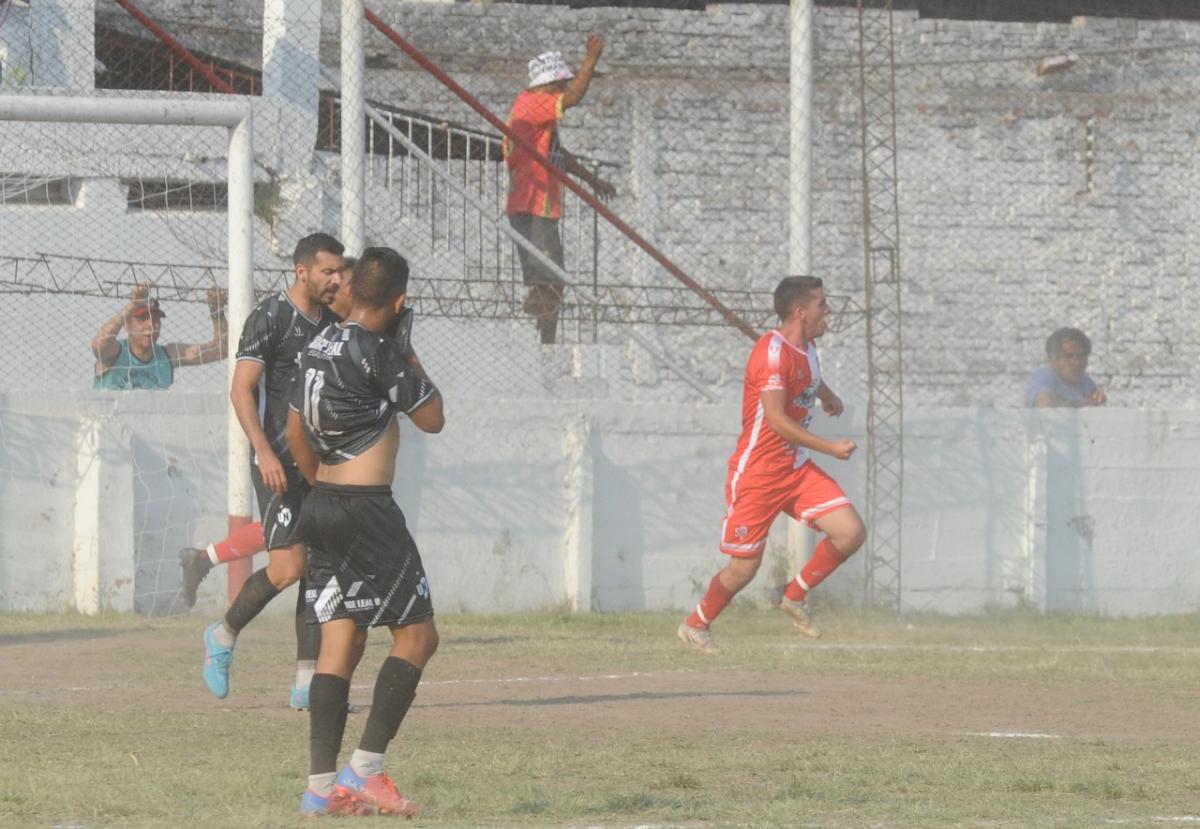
<point>520,505</point>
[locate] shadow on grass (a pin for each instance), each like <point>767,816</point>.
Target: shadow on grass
<point>69,635</point>
<point>594,699</point>
<point>462,641</point>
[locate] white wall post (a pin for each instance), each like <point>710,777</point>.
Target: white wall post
<point>103,558</point>
<point>577,562</point>
<point>354,129</point>
<point>85,561</point>
<point>1035,540</point>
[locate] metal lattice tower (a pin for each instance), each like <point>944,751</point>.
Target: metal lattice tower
<point>881,237</point>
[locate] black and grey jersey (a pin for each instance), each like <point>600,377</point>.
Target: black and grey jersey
<point>350,383</point>
<point>274,334</point>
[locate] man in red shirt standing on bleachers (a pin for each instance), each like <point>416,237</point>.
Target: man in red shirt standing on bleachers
<point>535,196</point>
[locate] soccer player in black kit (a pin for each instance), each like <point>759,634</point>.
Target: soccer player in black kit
<point>268,352</point>
<point>364,569</point>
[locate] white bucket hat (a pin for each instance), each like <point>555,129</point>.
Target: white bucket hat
<point>549,67</point>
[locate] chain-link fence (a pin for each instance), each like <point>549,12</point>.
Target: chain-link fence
<point>997,179</point>
<point>1042,172</point>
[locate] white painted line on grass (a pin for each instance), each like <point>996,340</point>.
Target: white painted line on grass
<point>513,680</point>
<point>900,646</point>
<point>1178,819</point>
<point>1015,735</point>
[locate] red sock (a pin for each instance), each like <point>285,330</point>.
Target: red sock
<point>243,543</point>
<point>715,600</point>
<point>825,559</point>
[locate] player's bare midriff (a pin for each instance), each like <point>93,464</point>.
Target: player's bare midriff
<point>374,467</point>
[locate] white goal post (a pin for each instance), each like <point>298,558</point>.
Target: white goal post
<point>236,116</point>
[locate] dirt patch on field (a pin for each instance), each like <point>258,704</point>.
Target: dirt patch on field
<point>160,668</point>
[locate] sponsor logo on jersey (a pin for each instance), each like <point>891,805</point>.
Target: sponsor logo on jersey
<point>284,517</point>
<point>806,400</point>
<point>329,348</point>
<point>423,588</point>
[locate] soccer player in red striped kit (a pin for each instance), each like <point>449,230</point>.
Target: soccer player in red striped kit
<point>772,471</point>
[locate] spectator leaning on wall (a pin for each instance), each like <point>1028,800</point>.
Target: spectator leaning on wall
<point>138,361</point>
<point>1064,382</point>
<point>535,197</point>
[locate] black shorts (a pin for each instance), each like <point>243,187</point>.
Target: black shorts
<point>543,233</point>
<point>280,512</point>
<point>362,562</point>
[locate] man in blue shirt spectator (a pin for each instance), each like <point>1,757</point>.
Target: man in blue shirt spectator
<point>138,361</point>
<point>1064,382</point>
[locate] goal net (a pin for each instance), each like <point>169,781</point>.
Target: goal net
<point>116,259</point>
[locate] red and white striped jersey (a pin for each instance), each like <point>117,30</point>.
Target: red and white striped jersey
<point>775,365</point>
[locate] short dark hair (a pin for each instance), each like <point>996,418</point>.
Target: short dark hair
<point>792,291</point>
<point>312,244</point>
<point>1054,342</point>
<point>380,275</point>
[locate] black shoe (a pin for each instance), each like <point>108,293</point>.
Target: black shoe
<point>195,564</point>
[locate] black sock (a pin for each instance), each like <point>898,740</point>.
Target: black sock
<point>327,698</point>
<point>308,633</point>
<point>255,594</point>
<point>395,688</point>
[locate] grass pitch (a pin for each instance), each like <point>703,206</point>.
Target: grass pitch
<point>1005,720</point>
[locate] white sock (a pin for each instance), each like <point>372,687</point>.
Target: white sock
<point>212,555</point>
<point>305,668</point>
<point>321,784</point>
<point>366,763</point>
<point>225,637</point>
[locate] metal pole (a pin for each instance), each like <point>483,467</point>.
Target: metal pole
<point>354,124</point>
<point>595,266</point>
<point>800,151</point>
<point>241,301</point>
<point>800,540</point>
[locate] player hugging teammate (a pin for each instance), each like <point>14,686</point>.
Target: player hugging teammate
<point>364,569</point>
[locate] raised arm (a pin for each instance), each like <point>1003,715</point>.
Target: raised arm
<point>579,84</point>
<point>184,354</point>
<point>775,412</point>
<point>105,345</point>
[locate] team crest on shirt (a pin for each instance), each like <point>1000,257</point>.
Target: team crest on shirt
<point>284,517</point>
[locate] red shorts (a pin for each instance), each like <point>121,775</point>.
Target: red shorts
<point>753,502</point>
